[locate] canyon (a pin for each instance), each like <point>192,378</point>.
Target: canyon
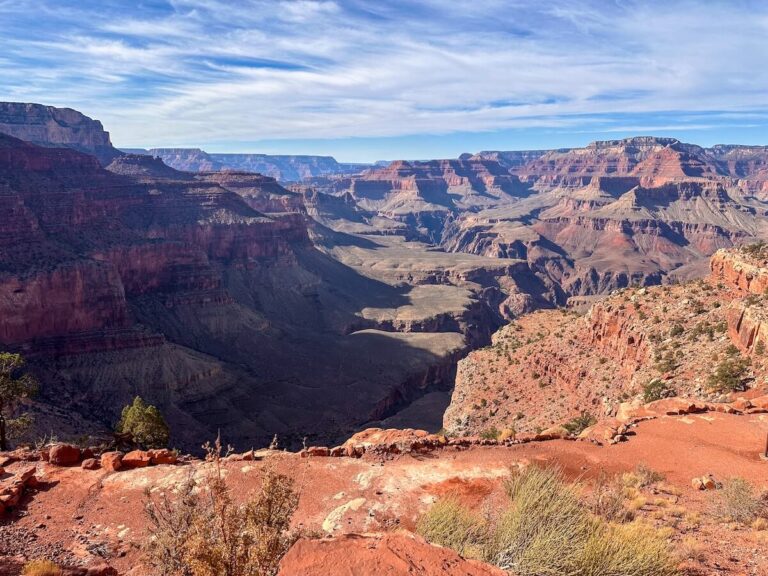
<point>405,334</point>
<point>344,298</point>
<point>217,297</point>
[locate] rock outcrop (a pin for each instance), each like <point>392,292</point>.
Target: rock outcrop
<point>549,368</point>
<point>49,126</point>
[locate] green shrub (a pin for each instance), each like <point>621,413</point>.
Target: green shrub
<point>547,531</point>
<point>580,423</point>
<point>544,528</point>
<point>144,424</point>
<point>628,549</point>
<point>656,389</point>
<point>491,433</point>
<point>729,374</point>
<point>676,330</point>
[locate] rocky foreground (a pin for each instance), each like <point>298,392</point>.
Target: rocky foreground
<point>358,513</point>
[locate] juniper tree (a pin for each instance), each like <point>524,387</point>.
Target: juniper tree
<point>15,385</point>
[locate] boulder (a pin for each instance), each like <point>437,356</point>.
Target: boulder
<point>90,464</point>
<point>137,459</point>
<point>112,461</point>
<point>165,456</point>
<point>27,474</point>
<point>64,455</point>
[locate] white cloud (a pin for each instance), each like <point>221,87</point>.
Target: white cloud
<point>214,70</point>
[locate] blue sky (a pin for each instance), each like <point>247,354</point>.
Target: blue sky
<point>372,79</point>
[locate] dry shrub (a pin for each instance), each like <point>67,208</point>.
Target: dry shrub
<point>203,532</point>
<point>545,526</point>
<point>641,477</point>
<point>40,568</point>
<point>450,524</point>
<point>627,549</point>
<point>547,531</point>
<point>692,549</point>
<point>608,500</point>
<point>739,502</point>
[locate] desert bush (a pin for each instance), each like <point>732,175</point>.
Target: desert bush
<point>729,374</point>
<point>656,389</point>
<point>628,549</point>
<point>608,500</point>
<point>40,568</point>
<point>676,330</point>
<point>203,532</point>
<point>580,423</point>
<point>547,531</point>
<point>144,424</point>
<point>641,477</point>
<point>545,526</point>
<point>491,433</point>
<point>450,524</point>
<point>738,501</point>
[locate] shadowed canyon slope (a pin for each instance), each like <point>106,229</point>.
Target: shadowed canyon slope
<point>217,297</point>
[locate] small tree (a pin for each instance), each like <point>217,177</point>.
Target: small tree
<point>15,385</point>
<point>144,424</point>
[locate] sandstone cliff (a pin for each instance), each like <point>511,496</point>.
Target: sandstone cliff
<point>49,126</point>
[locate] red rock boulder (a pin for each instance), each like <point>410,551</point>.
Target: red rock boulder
<point>90,464</point>
<point>112,461</point>
<point>64,455</point>
<point>137,459</point>
<point>164,456</point>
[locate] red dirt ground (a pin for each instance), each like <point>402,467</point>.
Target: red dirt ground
<point>79,516</point>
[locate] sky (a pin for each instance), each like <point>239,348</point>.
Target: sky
<point>367,80</point>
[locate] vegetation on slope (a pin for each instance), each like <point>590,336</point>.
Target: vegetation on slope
<point>545,530</point>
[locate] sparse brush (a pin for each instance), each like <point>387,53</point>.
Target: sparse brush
<point>545,526</point>
<point>547,531</point>
<point>450,524</point>
<point>204,532</point>
<point>607,500</point>
<point>691,549</point>
<point>641,477</point>
<point>40,567</point>
<point>626,550</point>
<point>739,502</point>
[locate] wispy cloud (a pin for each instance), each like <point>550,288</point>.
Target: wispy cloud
<point>207,71</point>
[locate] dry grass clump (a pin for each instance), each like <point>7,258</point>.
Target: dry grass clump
<point>40,567</point>
<point>545,526</point>
<point>608,500</point>
<point>739,502</point>
<point>641,477</point>
<point>450,524</point>
<point>203,532</point>
<point>547,531</point>
<point>627,550</point>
